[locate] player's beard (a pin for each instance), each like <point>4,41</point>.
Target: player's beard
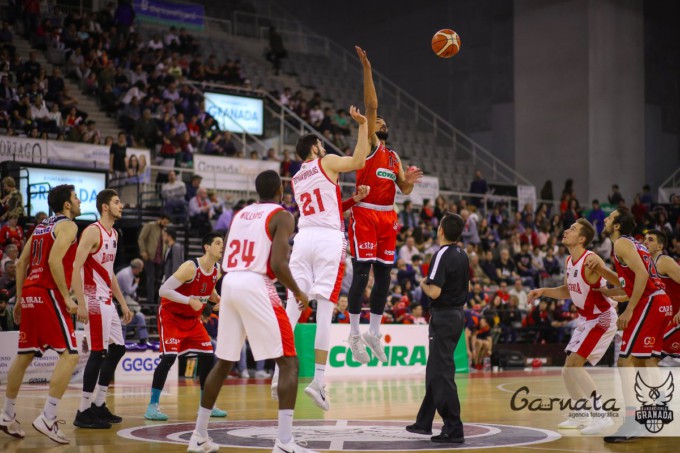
<point>382,135</point>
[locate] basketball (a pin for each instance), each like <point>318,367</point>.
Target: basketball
<point>446,43</point>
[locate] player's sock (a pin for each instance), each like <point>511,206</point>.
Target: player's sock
<point>10,407</point>
<point>319,371</point>
<point>100,397</point>
<point>354,321</point>
<point>155,396</point>
<point>285,425</point>
<point>202,421</point>
<point>375,323</point>
<point>50,409</point>
<point>85,401</point>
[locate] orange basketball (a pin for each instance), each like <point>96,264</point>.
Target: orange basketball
<point>445,43</point>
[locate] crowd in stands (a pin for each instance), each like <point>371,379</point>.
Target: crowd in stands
<point>139,83</point>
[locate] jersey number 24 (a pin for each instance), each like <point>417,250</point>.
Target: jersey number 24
<point>241,251</point>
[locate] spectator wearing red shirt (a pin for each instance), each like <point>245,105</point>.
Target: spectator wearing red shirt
<point>340,314</point>
<point>503,291</point>
<point>11,233</point>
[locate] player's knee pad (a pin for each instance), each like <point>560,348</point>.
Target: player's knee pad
<point>324,315</point>
<point>115,352</point>
<point>381,287</point>
<point>167,361</point>
<point>361,270</point>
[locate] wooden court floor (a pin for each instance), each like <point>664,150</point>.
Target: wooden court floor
<point>365,415</point>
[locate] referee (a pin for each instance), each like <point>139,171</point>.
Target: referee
<point>447,286</point>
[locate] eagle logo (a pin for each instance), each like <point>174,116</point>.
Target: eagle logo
<point>654,413</point>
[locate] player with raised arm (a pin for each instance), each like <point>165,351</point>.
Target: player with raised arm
<point>646,316</point>
<point>596,323</point>
<point>183,298</point>
<point>44,308</point>
<point>256,252</point>
<point>318,258</point>
<point>373,224</point>
<point>94,285</point>
<point>669,272</point>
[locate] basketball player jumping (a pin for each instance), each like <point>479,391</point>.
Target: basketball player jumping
<point>43,280</point>
<point>669,272</point>
<point>373,225</point>
<point>94,285</point>
<point>183,298</point>
<point>596,324</point>
<point>256,252</point>
<point>318,258</point>
<point>647,315</point>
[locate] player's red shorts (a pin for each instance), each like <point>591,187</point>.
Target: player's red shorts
<point>644,335</point>
<point>45,323</point>
<point>373,234</point>
<point>180,335</point>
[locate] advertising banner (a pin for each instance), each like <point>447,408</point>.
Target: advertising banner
<point>41,369</point>
<point>161,12</point>
<point>139,366</point>
<point>226,173</point>
<point>55,152</point>
<point>427,188</point>
<point>406,347</point>
<point>236,113</point>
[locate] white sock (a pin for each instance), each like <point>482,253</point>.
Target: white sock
<point>100,398</point>
<point>202,421</point>
<point>85,401</point>
<point>285,425</point>
<point>354,321</point>
<point>50,409</point>
<point>375,323</point>
<point>319,371</point>
<point>10,407</point>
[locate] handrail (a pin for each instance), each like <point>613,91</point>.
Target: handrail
<point>672,180</point>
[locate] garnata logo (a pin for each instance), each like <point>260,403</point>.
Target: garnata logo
<point>384,173</point>
<point>649,341</point>
<point>520,401</point>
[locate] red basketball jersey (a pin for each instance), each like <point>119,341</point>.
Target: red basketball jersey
<point>42,240</point>
<point>627,276</point>
<point>380,173</point>
<point>672,289</point>
<point>201,286</point>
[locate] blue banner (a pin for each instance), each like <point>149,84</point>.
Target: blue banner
<point>189,16</point>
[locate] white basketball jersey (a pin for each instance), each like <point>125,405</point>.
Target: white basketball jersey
<point>98,269</point>
<point>589,302</point>
<point>318,198</point>
<point>248,246</point>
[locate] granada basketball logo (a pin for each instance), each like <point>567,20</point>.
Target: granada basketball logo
<point>654,413</point>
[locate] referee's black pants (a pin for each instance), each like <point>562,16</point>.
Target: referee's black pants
<point>441,393</point>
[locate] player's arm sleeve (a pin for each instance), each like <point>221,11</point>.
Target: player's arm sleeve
<point>348,203</point>
<point>169,291</point>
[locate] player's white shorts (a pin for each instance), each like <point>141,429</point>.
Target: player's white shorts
<point>317,262</point>
<point>591,338</point>
<point>104,327</point>
<point>250,307</point>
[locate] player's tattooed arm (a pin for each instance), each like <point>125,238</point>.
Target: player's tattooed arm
<point>370,96</point>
